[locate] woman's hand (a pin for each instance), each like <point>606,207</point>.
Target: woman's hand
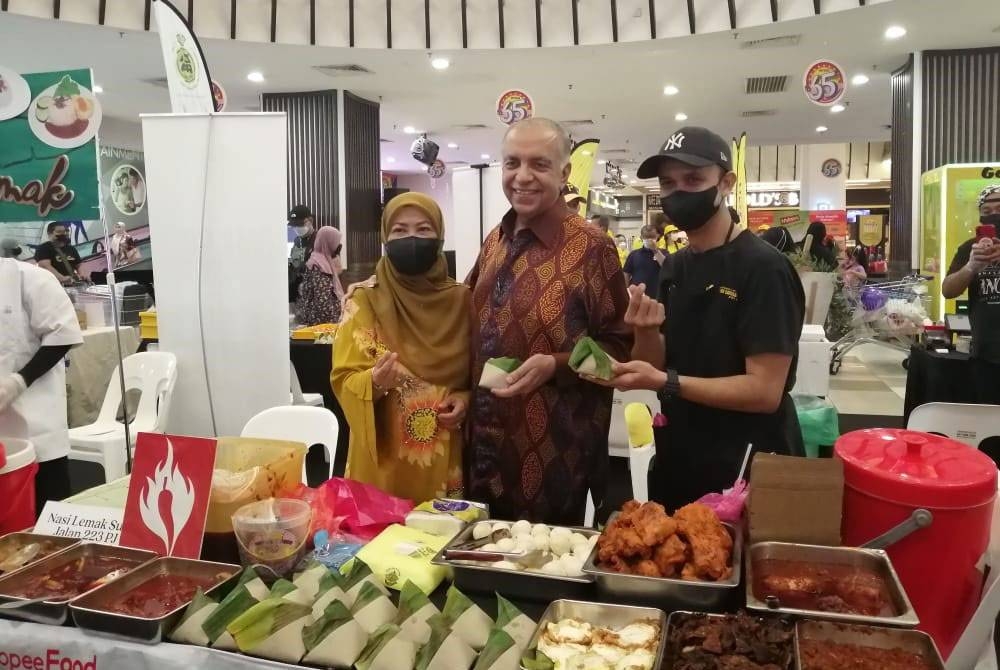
<point>451,411</point>
<point>633,376</point>
<point>388,372</point>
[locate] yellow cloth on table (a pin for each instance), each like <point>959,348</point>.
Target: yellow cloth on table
<point>400,554</point>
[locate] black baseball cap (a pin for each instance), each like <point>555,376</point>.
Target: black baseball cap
<point>693,145</point>
<point>298,214</point>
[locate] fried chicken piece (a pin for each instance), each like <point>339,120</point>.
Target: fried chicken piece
<point>670,556</point>
<point>711,545</point>
<point>653,524</point>
<point>646,568</point>
<point>621,541</point>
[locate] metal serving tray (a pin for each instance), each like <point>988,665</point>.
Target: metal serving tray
<point>676,618</point>
<point>871,559</point>
<point>56,612</point>
<point>671,594</point>
<point>531,586</point>
<point>90,611</point>
<point>601,614</point>
<point>867,636</point>
<point>60,544</point>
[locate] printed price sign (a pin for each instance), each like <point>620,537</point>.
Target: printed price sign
<point>824,83</point>
<point>168,494</point>
<point>91,524</point>
<point>514,106</point>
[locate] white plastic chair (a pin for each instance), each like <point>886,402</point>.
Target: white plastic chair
<point>154,374</point>
<point>300,398</point>
<point>309,425</point>
<point>970,424</point>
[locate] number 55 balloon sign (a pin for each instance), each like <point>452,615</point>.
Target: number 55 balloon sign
<point>824,83</point>
<point>514,106</point>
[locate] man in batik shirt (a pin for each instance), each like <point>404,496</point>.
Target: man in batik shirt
<point>543,280</point>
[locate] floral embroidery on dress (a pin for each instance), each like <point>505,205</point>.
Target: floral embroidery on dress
<point>423,437</point>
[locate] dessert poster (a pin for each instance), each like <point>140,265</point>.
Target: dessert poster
<point>48,151</point>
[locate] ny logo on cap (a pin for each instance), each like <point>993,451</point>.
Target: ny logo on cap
<point>723,156</point>
<point>676,141</point>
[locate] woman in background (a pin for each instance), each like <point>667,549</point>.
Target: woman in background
<point>819,250</point>
<point>852,267</point>
<point>321,293</point>
<point>402,358</point>
<point>779,238</point>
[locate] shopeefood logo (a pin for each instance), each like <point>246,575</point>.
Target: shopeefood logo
<point>52,660</point>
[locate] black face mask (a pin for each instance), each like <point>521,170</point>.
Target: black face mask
<point>691,210</point>
<point>413,255</point>
<point>62,239</point>
<point>990,220</point>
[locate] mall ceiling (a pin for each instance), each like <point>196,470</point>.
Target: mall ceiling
<point>613,92</point>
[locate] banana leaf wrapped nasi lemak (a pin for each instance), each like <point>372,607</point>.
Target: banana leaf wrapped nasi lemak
<point>249,590</point>
<point>308,580</point>
<point>357,574</point>
<point>286,590</point>
<point>387,649</point>
<point>188,629</point>
<point>272,629</point>
<point>335,639</point>
<point>372,608</point>
<point>589,359</point>
<point>446,650</point>
<point>415,608</point>
<point>514,622</point>
<point>495,372</point>
<point>330,591</point>
<point>500,653</point>
<point>467,619</point>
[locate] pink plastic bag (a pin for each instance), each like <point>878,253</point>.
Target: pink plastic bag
<point>728,505</point>
<point>353,507</point>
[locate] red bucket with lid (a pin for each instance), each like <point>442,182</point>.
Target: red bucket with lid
<point>889,473</point>
<point>17,485</point>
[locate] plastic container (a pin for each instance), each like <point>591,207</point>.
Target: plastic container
<point>273,533</point>
<point>17,486</point>
<point>889,473</point>
<point>247,470</point>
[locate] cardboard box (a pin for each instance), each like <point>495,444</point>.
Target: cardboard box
<point>796,500</point>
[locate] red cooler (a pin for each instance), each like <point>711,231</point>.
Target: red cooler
<point>889,473</point>
<point>17,486</point>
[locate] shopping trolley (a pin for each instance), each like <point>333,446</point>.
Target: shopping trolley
<point>892,314</point>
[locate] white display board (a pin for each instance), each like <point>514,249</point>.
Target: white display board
<point>466,206</point>
<point>217,207</point>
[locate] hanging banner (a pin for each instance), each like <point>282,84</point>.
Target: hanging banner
<point>870,229</point>
<point>48,152</point>
<point>582,160</point>
<point>824,83</point>
<point>14,94</point>
<point>123,182</point>
<point>188,78</point>
<point>740,168</point>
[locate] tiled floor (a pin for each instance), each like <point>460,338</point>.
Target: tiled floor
<point>872,381</point>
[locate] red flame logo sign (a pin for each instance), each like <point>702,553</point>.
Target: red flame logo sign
<point>166,501</point>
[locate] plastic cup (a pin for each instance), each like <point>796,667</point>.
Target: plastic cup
<point>273,533</point>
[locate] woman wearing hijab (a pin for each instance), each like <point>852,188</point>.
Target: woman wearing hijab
<point>401,360</point>
<point>779,238</point>
<point>818,249</point>
<point>321,293</point>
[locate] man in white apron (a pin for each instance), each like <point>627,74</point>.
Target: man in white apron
<point>38,327</point>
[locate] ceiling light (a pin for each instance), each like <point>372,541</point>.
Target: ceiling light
<point>485,157</point>
<point>670,90</point>
<point>256,77</point>
<point>837,109</point>
<point>821,129</point>
<point>452,145</point>
<point>886,162</point>
<point>894,32</point>
<point>602,162</point>
<point>440,63</point>
<point>681,116</point>
<point>97,88</point>
<point>390,159</point>
<point>409,130</point>
<point>860,79</point>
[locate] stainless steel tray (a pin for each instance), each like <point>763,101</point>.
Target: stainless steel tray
<point>868,636</point>
<point>869,559</point>
<point>60,543</point>
<point>671,594</point>
<point>90,613</point>
<point>531,586</point>
<point>677,617</point>
<point>601,614</point>
<point>56,612</point>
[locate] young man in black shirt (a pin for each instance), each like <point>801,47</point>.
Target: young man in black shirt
<point>57,255</point>
<point>976,267</point>
<point>721,343</point>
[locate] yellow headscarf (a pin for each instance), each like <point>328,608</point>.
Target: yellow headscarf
<point>425,318</point>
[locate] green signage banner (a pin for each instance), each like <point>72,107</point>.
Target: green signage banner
<point>48,151</point>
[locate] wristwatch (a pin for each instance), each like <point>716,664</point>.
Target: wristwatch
<point>672,389</point>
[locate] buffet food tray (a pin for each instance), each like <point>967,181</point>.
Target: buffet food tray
<point>871,559</point>
<point>531,586</point>
<point>676,617</point>
<point>61,543</point>
<point>672,594</point>
<point>912,641</point>
<point>89,611</point>
<point>56,612</point>
<point>601,614</point>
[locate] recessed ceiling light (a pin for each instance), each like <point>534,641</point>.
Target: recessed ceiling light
<point>837,109</point>
<point>256,77</point>
<point>821,129</point>
<point>452,145</point>
<point>440,63</point>
<point>680,116</point>
<point>390,159</point>
<point>602,162</point>
<point>97,88</point>
<point>409,130</point>
<point>670,89</point>
<point>894,32</point>
<point>485,157</point>
<point>860,79</point>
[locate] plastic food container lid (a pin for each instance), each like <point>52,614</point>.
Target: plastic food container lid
<point>917,469</point>
<point>19,454</point>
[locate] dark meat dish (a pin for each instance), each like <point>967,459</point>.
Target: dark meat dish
<point>740,642</point>
<point>822,587</point>
<point>74,578</point>
<point>824,655</point>
<point>160,595</point>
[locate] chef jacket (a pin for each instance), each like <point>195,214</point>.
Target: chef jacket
<point>35,312</point>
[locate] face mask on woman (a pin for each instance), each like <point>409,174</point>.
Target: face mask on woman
<point>413,255</point>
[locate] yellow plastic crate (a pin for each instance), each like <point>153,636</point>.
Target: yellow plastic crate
<point>147,326</point>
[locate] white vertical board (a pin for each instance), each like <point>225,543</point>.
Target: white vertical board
<point>466,208</point>
<point>217,212</point>
<point>819,191</point>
